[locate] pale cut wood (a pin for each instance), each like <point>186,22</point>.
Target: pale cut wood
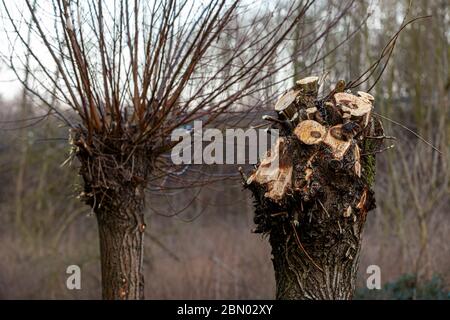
<point>366,96</point>
<point>338,146</point>
<point>308,85</point>
<point>308,174</point>
<point>348,212</point>
<point>310,132</point>
<point>362,201</point>
<point>352,104</point>
<point>274,173</point>
<point>285,103</point>
<point>310,112</point>
<point>357,157</point>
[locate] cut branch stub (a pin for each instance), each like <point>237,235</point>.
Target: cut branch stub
<point>285,105</point>
<point>310,112</point>
<point>335,142</point>
<point>311,132</point>
<point>340,86</point>
<point>352,104</point>
<point>358,107</point>
<point>274,171</point>
<point>320,194</point>
<point>308,85</point>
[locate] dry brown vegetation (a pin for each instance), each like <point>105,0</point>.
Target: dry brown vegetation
<point>215,256</point>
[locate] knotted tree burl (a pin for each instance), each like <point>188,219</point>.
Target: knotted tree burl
<point>314,203</point>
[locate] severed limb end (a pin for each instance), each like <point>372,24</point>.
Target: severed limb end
<point>308,85</point>
<point>311,132</point>
<point>354,107</point>
<point>274,172</point>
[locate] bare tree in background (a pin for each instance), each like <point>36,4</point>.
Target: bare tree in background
<point>133,71</point>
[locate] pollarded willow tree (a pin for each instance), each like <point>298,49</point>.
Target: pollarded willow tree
<point>314,201</point>
<point>126,74</point>
<point>313,190</point>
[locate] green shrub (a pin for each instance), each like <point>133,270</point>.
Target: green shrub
<point>406,288</point>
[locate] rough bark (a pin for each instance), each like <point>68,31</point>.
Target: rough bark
<point>315,225</point>
<point>121,232</point>
<point>115,172</point>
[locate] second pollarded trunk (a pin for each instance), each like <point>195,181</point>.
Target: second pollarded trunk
<point>315,219</point>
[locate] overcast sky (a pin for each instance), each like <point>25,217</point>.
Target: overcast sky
<point>9,87</point>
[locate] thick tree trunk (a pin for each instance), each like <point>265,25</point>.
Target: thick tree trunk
<point>316,243</point>
<point>121,250</point>
<point>115,172</point>
<point>318,258</point>
<point>313,191</point>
